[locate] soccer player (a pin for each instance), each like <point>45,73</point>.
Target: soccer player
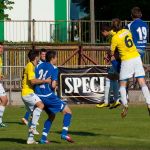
<point>3,96</point>
<point>27,114</point>
<point>131,63</point>
<point>111,84</point>
<point>30,99</point>
<point>139,30</point>
<point>53,104</point>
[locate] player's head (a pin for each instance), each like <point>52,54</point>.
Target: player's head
<point>105,30</point>
<point>136,13</point>
<point>43,54</point>
<point>33,55</point>
<point>51,56</point>
<point>116,25</point>
<point>1,48</point>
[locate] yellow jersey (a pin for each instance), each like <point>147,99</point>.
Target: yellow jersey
<point>1,65</point>
<point>124,42</point>
<point>29,74</point>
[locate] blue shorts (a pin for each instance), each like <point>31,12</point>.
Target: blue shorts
<point>53,104</point>
<point>142,53</point>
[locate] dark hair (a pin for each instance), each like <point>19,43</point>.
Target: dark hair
<point>136,12</point>
<point>116,24</point>
<point>1,43</point>
<point>43,50</point>
<point>50,54</point>
<point>105,27</point>
<point>33,54</point>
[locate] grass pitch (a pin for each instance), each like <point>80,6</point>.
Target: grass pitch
<point>91,128</point>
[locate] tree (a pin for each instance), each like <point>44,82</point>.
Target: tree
<point>5,5</point>
<point>108,9</point>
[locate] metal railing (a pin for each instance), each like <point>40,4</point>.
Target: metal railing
<point>54,31</point>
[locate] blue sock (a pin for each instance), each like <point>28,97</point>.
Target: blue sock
<point>26,116</point>
<point>66,123</point>
<point>115,86</point>
<point>46,129</point>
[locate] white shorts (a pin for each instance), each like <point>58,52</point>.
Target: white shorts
<point>30,101</point>
<point>2,91</point>
<point>131,67</point>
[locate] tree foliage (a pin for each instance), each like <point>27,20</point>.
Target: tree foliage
<point>5,5</point>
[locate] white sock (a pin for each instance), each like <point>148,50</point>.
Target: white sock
<point>123,95</point>
<point>146,93</point>
<point>36,115</point>
<point>31,136</point>
<point>107,91</point>
<point>2,109</point>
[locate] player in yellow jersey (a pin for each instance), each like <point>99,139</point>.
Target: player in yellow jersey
<point>3,96</point>
<point>131,63</point>
<point>42,59</point>
<point>30,99</point>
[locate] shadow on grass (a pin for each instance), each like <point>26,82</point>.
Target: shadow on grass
<point>80,133</point>
<point>20,141</point>
<point>14,140</point>
<point>14,122</point>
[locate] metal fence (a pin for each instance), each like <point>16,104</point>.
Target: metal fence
<point>54,31</point>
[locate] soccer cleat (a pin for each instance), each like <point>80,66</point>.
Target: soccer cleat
<point>124,112</point>
<point>115,105</point>
<point>31,142</point>
<point>24,121</point>
<point>67,138</point>
<point>102,105</point>
<point>2,125</point>
<point>33,131</point>
<point>44,142</point>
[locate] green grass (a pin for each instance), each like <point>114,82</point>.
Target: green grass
<point>91,128</point>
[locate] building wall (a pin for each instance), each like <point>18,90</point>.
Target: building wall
<point>46,10</point>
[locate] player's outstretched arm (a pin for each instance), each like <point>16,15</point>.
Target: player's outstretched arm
<point>38,81</point>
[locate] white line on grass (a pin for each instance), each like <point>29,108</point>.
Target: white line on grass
<point>130,139</point>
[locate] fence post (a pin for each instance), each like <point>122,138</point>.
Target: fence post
<point>10,88</point>
<point>126,22</point>
<point>33,30</point>
<point>80,32</point>
<point>80,55</point>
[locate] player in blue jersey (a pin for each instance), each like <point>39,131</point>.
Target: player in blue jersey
<point>53,104</point>
<point>139,30</point>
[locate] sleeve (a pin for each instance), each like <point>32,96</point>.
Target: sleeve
<point>55,74</point>
<point>113,45</point>
<point>31,72</point>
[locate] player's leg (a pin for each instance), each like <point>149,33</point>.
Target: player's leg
<point>145,91</point>
<point>140,75</point>
<point>26,118</point>
<point>115,88</point>
<point>4,101</point>
<point>47,127</point>
<point>35,106</point>
<point>66,123</point>
<point>106,95</point>
<point>36,115</point>
<point>123,95</point>
<point>126,72</point>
